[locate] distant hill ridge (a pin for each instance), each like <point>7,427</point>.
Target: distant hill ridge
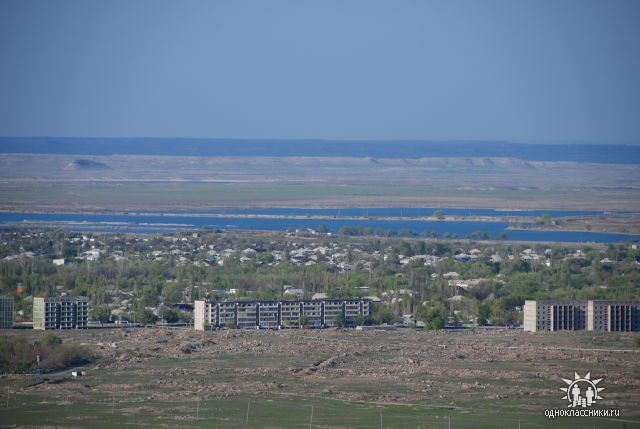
<point>590,153</point>
<point>86,164</point>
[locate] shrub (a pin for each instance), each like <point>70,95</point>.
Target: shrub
<point>383,315</point>
<point>433,317</point>
<point>66,355</point>
<point>17,355</point>
<point>304,321</point>
<point>169,315</point>
<point>340,320</point>
<point>50,339</point>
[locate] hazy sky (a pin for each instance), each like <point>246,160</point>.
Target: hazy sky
<point>521,70</point>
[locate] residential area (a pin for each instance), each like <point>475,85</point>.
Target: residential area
<point>145,278</point>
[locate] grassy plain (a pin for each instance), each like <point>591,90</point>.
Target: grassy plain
<point>180,196</point>
<point>30,182</point>
<point>346,379</point>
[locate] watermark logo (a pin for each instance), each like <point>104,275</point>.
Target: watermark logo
<point>582,391</point>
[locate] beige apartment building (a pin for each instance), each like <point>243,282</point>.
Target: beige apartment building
<point>581,315</point>
<point>278,314</point>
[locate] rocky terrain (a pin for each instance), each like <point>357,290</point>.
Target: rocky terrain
<point>457,370</point>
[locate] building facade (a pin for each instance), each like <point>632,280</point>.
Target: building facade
<point>7,312</point>
<point>60,313</point>
<point>278,314</point>
<point>614,316</point>
<point>593,315</point>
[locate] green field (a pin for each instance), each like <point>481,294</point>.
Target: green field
<point>276,411</point>
<point>171,195</point>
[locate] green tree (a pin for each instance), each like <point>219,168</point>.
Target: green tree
<point>434,317</point>
<point>383,315</point>
<point>170,315</point>
<point>149,295</point>
<point>49,339</point>
<point>484,313</point>
<point>172,294</point>
<point>340,320</point>
<point>439,214</point>
<point>101,313</point>
<point>145,316</point>
<point>478,235</point>
<point>304,321</point>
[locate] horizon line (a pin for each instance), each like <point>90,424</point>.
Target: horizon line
<point>353,140</point>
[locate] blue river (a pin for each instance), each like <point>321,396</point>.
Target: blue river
<point>139,222</point>
<point>392,212</point>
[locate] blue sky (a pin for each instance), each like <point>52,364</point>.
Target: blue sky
<point>547,70</point>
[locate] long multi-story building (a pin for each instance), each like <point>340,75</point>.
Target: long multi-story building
<point>290,314</point>
<point>60,313</point>
<point>592,315</point>
<point>313,313</point>
<point>279,314</point>
<point>613,316</point>
<point>7,313</point>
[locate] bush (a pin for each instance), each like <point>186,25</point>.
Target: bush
<point>145,316</point>
<point>383,315</point>
<point>66,355</point>
<point>304,321</point>
<point>484,313</point>
<point>101,313</point>
<point>49,339</point>
<point>170,315</point>
<point>433,317</point>
<point>17,355</point>
<point>340,320</point>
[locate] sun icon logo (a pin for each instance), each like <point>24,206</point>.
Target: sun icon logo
<point>582,391</point>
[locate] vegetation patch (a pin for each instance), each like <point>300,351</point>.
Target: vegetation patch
<point>47,353</point>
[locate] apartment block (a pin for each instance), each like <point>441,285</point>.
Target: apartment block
<point>614,316</point>
<point>60,313</point>
<point>352,309</point>
<point>312,311</point>
<point>225,314</point>
<point>277,314</point>
<point>268,315</point>
<point>593,315</point>
<point>331,310</point>
<point>7,312</point>
<point>247,314</point>
<point>290,314</point>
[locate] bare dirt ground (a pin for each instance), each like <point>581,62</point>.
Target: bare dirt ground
<point>469,372</point>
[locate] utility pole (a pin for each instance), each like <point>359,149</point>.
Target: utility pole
<point>311,420</point>
<point>246,421</point>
